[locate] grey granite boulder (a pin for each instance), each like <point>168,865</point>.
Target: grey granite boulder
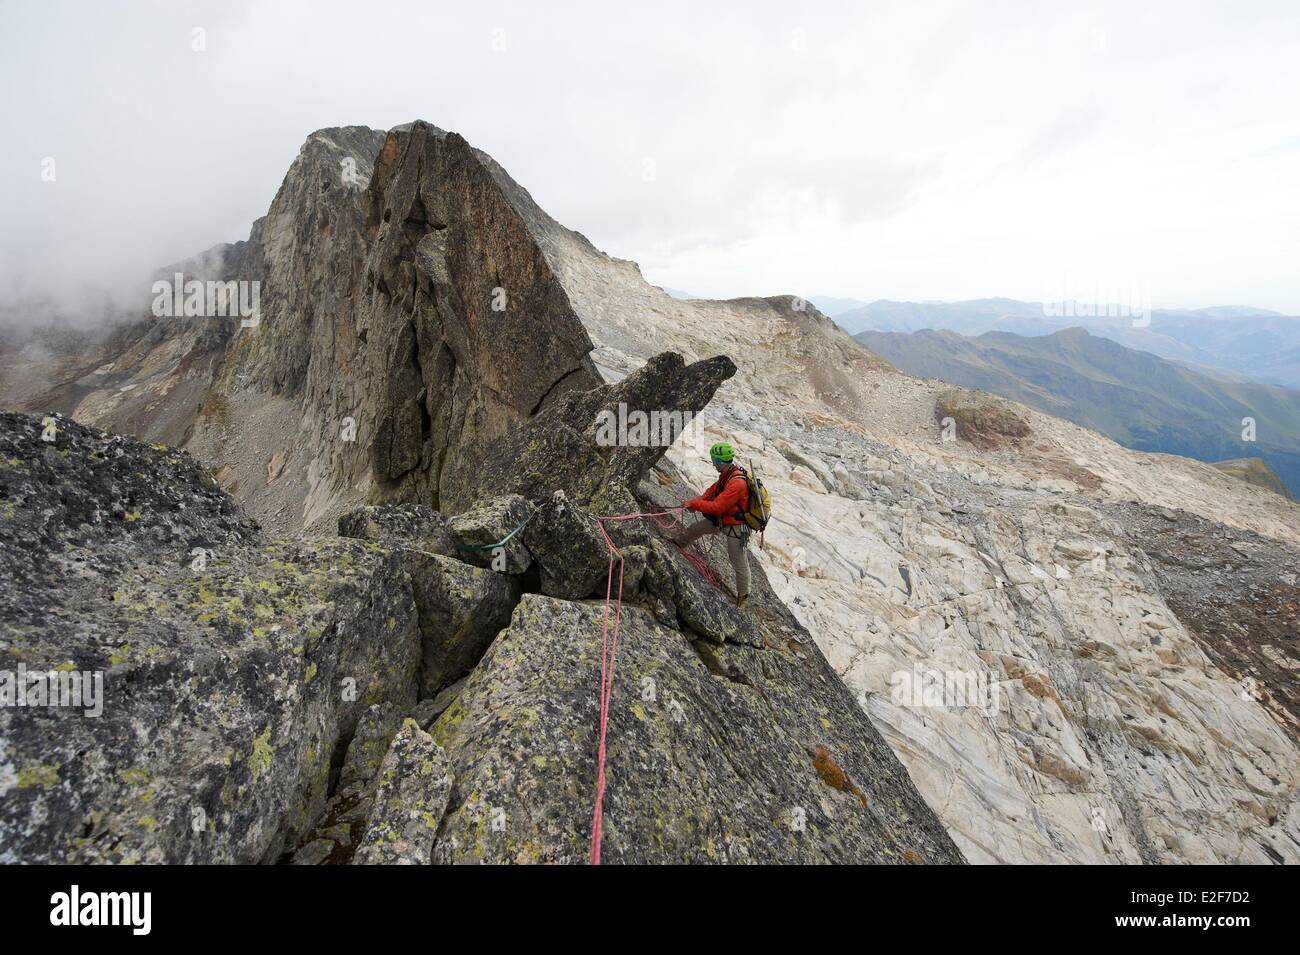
<point>462,609</point>
<point>462,606</point>
<point>733,755</point>
<point>570,551</point>
<point>410,525</point>
<point>410,797</point>
<point>227,684</point>
<point>490,522</point>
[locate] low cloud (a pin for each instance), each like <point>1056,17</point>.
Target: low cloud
<point>873,150</point>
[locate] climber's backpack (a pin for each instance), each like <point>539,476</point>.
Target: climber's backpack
<point>760,503</point>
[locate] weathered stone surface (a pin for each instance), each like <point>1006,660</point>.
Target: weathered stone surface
<point>567,544</point>
<point>710,758</point>
<point>982,419</point>
<point>462,608</point>
<point>490,522</point>
<point>426,711</point>
<point>79,505</point>
<point>409,525</point>
<point>410,798</point>
<point>1224,580</point>
<point>375,731</point>
<point>228,689</point>
<point>334,839</point>
<point>457,286</point>
<point>701,607</point>
<point>338,831</point>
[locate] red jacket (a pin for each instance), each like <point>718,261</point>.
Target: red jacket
<point>725,497</point>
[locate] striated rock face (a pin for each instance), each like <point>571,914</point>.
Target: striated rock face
<point>1236,593</point>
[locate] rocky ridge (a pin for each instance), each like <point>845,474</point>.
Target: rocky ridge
<point>377,699</point>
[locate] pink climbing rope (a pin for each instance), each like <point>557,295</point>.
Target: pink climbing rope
<point>609,647</point>
<point>702,565</point>
<point>608,651</point>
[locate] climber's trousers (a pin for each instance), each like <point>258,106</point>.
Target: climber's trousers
<point>735,549</point>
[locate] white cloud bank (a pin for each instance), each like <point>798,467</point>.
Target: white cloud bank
<point>903,150</point>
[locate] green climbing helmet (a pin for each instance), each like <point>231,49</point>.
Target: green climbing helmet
<point>722,452</point>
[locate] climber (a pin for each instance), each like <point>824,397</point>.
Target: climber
<point>723,507</point>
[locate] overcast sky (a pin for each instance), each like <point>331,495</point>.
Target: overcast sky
<point>912,150</point>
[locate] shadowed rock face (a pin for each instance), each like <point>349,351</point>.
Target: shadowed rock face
<point>469,332</point>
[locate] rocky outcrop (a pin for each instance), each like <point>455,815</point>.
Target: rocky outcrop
<point>713,754</point>
<point>983,420</point>
<point>270,701</point>
<point>456,284</point>
<point>1254,471</point>
<point>461,609</point>
<point>230,674</point>
<point>575,445</point>
<point>571,554</point>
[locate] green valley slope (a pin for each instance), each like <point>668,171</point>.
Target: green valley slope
<point>1136,398</point>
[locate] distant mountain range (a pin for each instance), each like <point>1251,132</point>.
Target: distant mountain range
<point>1134,397</point>
<point>1257,344</point>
